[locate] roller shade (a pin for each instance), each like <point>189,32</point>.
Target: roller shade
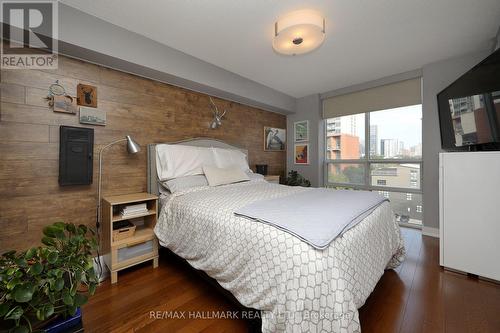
<point>388,96</point>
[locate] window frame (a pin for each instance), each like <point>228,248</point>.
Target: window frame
<point>367,162</point>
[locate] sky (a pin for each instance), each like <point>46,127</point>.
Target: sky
<point>404,124</point>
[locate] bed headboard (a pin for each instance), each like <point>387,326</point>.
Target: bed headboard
<point>197,142</point>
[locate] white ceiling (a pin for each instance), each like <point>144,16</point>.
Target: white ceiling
<point>365,40</point>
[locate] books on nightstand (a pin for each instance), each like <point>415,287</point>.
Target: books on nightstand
<point>134,210</point>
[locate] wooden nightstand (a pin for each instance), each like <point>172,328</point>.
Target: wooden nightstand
<point>142,246</point>
<point>272,179</point>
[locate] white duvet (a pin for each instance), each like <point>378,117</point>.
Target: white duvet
<point>297,288</point>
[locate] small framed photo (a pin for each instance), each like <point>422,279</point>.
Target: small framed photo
<point>86,95</point>
<point>65,103</point>
<point>301,153</point>
<point>92,116</point>
<point>301,131</point>
<point>274,139</point>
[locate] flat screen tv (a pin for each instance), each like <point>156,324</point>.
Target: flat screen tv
<point>469,108</point>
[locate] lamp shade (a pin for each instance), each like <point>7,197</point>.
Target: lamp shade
<point>132,146</point>
<point>299,32</point>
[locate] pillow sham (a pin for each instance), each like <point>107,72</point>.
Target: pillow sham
<point>184,183</point>
<point>222,176</point>
<point>174,161</point>
<point>226,158</point>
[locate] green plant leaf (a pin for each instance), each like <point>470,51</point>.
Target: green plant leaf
<point>22,293</point>
<point>59,284</point>
<point>21,262</point>
<point>4,308</point>
<point>66,297</point>
<point>60,234</point>
<point>40,314</point>
<point>72,310</point>
<point>72,291</point>
<point>48,310</point>
<point>12,283</point>
<point>50,231</point>
<point>21,329</point>
<point>82,229</point>
<point>92,288</point>
<point>52,298</point>
<point>60,225</point>
<point>30,253</point>
<point>15,313</point>
<point>48,241</point>
<point>80,299</point>
<point>52,257</point>
<point>71,228</point>
<point>91,273</point>
<point>36,268</point>
<point>11,271</point>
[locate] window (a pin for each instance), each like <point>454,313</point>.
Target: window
<point>384,193</point>
<point>379,149</point>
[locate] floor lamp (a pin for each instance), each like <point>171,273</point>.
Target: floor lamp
<point>132,148</point>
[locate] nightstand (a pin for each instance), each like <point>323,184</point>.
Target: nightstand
<point>272,179</point>
<point>121,253</point>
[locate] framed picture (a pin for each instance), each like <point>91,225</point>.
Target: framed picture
<point>92,116</point>
<point>86,95</point>
<point>65,103</point>
<point>274,139</point>
<point>301,130</point>
<point>301,153</point>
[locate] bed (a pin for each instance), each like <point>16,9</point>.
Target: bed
<point>295,287</point>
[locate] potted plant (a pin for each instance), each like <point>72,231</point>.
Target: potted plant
<point>43,287</point>
<point>295,179</point>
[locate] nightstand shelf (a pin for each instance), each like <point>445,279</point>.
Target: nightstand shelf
<point>141,246</point>
<point>118,217</point>
<point>272,179</point>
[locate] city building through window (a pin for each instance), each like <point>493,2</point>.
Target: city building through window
<point>379,151</point>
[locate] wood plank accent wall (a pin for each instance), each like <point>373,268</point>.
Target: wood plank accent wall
<point>150,111</point>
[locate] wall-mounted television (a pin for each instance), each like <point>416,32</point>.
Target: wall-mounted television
<point>469,108</point>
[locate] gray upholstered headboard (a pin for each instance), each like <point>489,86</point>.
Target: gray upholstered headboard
<point>197,142</point>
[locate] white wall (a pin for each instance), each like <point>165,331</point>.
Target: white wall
<point>436,77</point>
<point>308,108</point>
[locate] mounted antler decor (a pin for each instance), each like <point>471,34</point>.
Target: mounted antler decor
<point>217,121</point>
<point>87,95</point>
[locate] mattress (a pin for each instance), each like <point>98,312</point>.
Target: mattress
<point>297,287</point>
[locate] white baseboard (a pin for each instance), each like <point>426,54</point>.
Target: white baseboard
<point>431,232</point>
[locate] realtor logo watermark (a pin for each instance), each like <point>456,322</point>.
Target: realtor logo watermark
<point>29,33</point>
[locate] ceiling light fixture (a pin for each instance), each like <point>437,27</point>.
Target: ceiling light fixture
<point>299,32</point>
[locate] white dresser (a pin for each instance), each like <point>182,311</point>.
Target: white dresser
<point>469,221</point>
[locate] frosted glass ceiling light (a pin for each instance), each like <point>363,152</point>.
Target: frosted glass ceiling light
<point>299,32</point>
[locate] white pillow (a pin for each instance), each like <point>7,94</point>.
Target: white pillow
<point>222,176</point>
<point>184,183</point>
<point>255,176</point>
<point>173,161</point>
<point>225,158</point>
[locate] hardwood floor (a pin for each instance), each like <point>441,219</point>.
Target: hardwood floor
<point>418,296</point>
